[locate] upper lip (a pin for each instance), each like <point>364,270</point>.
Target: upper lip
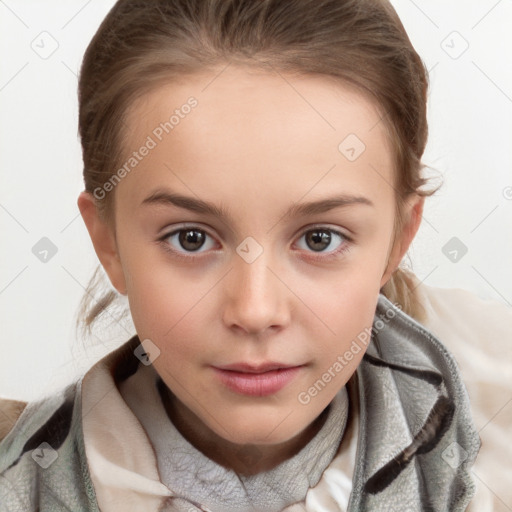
<point>255,368</point>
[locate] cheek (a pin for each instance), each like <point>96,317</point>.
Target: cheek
<point>344,310</point>
<point>159,296</point>
<point>351,316</point>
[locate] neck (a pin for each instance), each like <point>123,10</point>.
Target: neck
<point>244,459</point>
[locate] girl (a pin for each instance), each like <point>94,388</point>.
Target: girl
<point>253,179</point>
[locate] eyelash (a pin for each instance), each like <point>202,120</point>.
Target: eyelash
<point>344,247</point>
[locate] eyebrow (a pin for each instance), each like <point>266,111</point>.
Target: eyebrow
<point>167,198</point>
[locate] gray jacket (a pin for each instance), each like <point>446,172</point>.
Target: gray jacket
<point>416,442</point>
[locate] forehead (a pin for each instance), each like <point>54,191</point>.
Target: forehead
<point>249,126</point>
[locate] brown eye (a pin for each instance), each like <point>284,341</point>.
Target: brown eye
<point>191,239</point>
<point>323,243</point>
<point>188,240</point>
<point>318,239</point>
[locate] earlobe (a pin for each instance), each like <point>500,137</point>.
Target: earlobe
<point>413,214</point>
<point>103,240</point>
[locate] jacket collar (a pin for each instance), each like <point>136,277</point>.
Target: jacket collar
<point>417,440</point>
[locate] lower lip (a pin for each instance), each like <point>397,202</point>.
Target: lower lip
<point>257,384</point>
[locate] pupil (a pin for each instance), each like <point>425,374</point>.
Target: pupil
<point>193,237</point>
<point>323,238</point>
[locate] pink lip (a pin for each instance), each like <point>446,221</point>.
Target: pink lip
<point>262,382</point>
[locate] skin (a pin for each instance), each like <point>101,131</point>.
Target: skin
<point>257,143</point>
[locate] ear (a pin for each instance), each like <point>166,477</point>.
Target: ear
<point>104,241</point>
<point>413,215</point>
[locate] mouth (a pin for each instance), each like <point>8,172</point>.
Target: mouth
<point>257,380</point>
<point>256,367</point>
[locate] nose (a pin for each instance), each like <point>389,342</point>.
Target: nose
<point>256,298</point>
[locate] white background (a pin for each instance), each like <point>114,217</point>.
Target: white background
<point>470,116</point>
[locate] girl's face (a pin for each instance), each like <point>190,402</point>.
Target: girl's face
<point>282,189</point>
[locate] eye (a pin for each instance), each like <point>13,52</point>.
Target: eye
<point>186,240</point>
<point>319,238</point>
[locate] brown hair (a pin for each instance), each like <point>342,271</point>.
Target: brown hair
<point>141,44</point>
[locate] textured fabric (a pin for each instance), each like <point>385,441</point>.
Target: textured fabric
<point>414,411</point>
<point>413,417</point>
<point>121,461</point>
<point>478,332</point>
<point>62,486</point>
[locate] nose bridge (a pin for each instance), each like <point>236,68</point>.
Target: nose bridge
<point>255,294</point>
<point>252,275</point>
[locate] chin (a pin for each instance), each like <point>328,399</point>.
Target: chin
<point>260,430</point>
